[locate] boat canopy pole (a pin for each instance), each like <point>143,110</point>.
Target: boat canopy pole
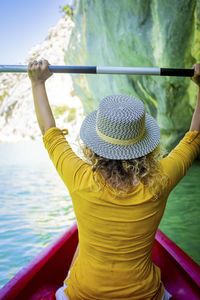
<point>104,70</point>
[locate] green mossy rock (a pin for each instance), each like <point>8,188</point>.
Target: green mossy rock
<point>139,33</point>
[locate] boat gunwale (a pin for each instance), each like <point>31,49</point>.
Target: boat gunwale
<point>183,259</point>
<point>16,284</point>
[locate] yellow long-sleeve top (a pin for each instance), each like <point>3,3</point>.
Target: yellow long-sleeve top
<point>116,232</point>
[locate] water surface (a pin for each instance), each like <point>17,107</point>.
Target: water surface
<point>34,205</point>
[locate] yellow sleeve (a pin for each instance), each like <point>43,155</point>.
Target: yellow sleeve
<point>69,166</point>
<point>177,163</point>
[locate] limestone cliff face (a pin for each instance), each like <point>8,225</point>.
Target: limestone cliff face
<point>17,116</point>
<point>140,33</point>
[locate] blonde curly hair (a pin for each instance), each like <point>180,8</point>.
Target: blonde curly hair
<point>123,175</point>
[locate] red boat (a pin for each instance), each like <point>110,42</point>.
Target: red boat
<point>45,273</point>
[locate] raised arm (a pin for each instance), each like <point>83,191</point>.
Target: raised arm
<point>177,163</point>
<point>195,124</point>
<point>38,73</point>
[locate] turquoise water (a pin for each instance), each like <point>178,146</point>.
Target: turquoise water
<point>181,220</point>
<point>35,207</point>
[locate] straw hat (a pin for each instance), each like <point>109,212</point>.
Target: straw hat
<point>120,129</point>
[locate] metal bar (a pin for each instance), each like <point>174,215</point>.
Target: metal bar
<point>103,70</point>
<point>53,69</point>
<point>128,70</point>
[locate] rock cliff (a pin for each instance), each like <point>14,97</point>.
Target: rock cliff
<point>17,115</point>
<point>140,33</point>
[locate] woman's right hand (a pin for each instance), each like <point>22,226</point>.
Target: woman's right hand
<point>196,77</point>
<point>38,71</point>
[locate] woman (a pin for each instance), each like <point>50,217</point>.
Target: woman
<point>119,194</point>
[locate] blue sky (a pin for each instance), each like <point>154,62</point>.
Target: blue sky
<point>25,23</point>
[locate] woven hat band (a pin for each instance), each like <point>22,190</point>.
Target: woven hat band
<point>120,142</point>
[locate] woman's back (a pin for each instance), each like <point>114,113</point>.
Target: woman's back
<point>116,236</point>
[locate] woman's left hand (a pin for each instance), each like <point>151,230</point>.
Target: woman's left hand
<point>38,71</point>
